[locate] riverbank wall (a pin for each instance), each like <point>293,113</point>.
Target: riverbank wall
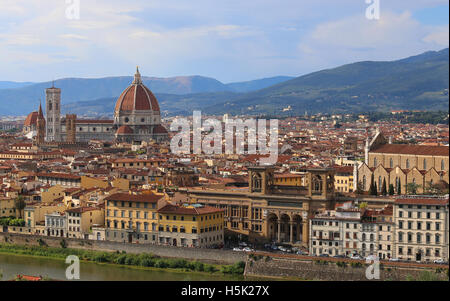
<point>205,255</point>
<point>262,265</point>
<point>331,271</point>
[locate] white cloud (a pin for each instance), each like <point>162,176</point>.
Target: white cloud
<point>440,36</point>
<point>357,38</point>
<point>241,39</point>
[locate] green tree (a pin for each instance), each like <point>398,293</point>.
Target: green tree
<point>383,188</point>
<point>19,205</point>
<point>391,189</point>
<point>372,189</point>
<point>411,188</point>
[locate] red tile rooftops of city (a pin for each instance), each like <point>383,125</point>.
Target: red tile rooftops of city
<point>82,209</point>
<point>287,175</point>
<point>344,169</point>
<point>59,175</point>
<point>135,160</point>
<point>408,149</point>
<point>177,209</point>
<point>422,201</point>
<point>141,198</point>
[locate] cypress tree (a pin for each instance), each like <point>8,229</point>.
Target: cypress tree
<point>383,188</point>
<point>375,189</point>
<point>391,189</point>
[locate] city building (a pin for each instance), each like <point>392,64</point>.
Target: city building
<point>421,229</point>
<point>191,225</point>
<point>132,218</point>
<point>416,168</point>
<point>137,118</point>
<point>270,213</point>
<point>81,220</point>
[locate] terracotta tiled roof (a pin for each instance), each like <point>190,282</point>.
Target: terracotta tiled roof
<point>31,119</point>
<point>141,198</point>
<point>407,149</point>
<point>174,209</point>
<point>422,201</point>
<point>125,129</point>
<point>59,176</point>
<point>137,97</point>
<point>160,130</point>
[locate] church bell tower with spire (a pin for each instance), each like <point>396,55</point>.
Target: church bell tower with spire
<point>52,112</point>
<point>40,127</point>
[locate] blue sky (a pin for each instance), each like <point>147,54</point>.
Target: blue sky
<point>230,40</point>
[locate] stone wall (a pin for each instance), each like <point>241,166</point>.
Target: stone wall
<point>205,255</point>
<point>317,270</point>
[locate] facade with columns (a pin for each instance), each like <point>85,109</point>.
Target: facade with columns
<point>269,212</point>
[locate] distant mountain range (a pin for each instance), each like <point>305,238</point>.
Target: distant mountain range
<point>13,85</point>
<point>25,97</point>
<point>418,82</point>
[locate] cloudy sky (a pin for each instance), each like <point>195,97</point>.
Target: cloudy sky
<point>231,40</point>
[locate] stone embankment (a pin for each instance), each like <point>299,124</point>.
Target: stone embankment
<point>332,269</point>
<point>204,255</point>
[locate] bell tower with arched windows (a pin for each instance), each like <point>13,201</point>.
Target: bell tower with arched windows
<point>52,113</point>
<point>260,179</point>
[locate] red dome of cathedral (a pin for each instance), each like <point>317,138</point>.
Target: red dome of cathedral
<point>137,97</point>
<point>31,119</point>
<point>124,130</point>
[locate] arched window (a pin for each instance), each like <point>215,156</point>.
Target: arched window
<point>391,163</point>
<point>257,182</point>
<point>364,236</point>
<point>442,165</point>
<point>375,162</point>
<point>424,164</point>
<point>364,183</point>
<point>379,183</point>
<point>407,163</point>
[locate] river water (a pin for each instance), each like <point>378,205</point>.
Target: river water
<point>12,265</point>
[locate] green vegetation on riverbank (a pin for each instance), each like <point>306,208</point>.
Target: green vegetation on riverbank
<point>12,221</point>
<point>122,258</point>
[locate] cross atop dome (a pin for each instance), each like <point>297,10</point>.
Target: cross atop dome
<point>137,77</point>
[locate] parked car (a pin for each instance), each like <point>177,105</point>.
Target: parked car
<point>439,261</point>
<point>237,249</point>
<point>274,248</point>
<point>247,249</point>
<point>394,259</point>
<point>339,256</point>
<point>324,255</point>
<point>281,248</point>
<point>356,257</point>
<point>371,258</point>
<point>300,252</point>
